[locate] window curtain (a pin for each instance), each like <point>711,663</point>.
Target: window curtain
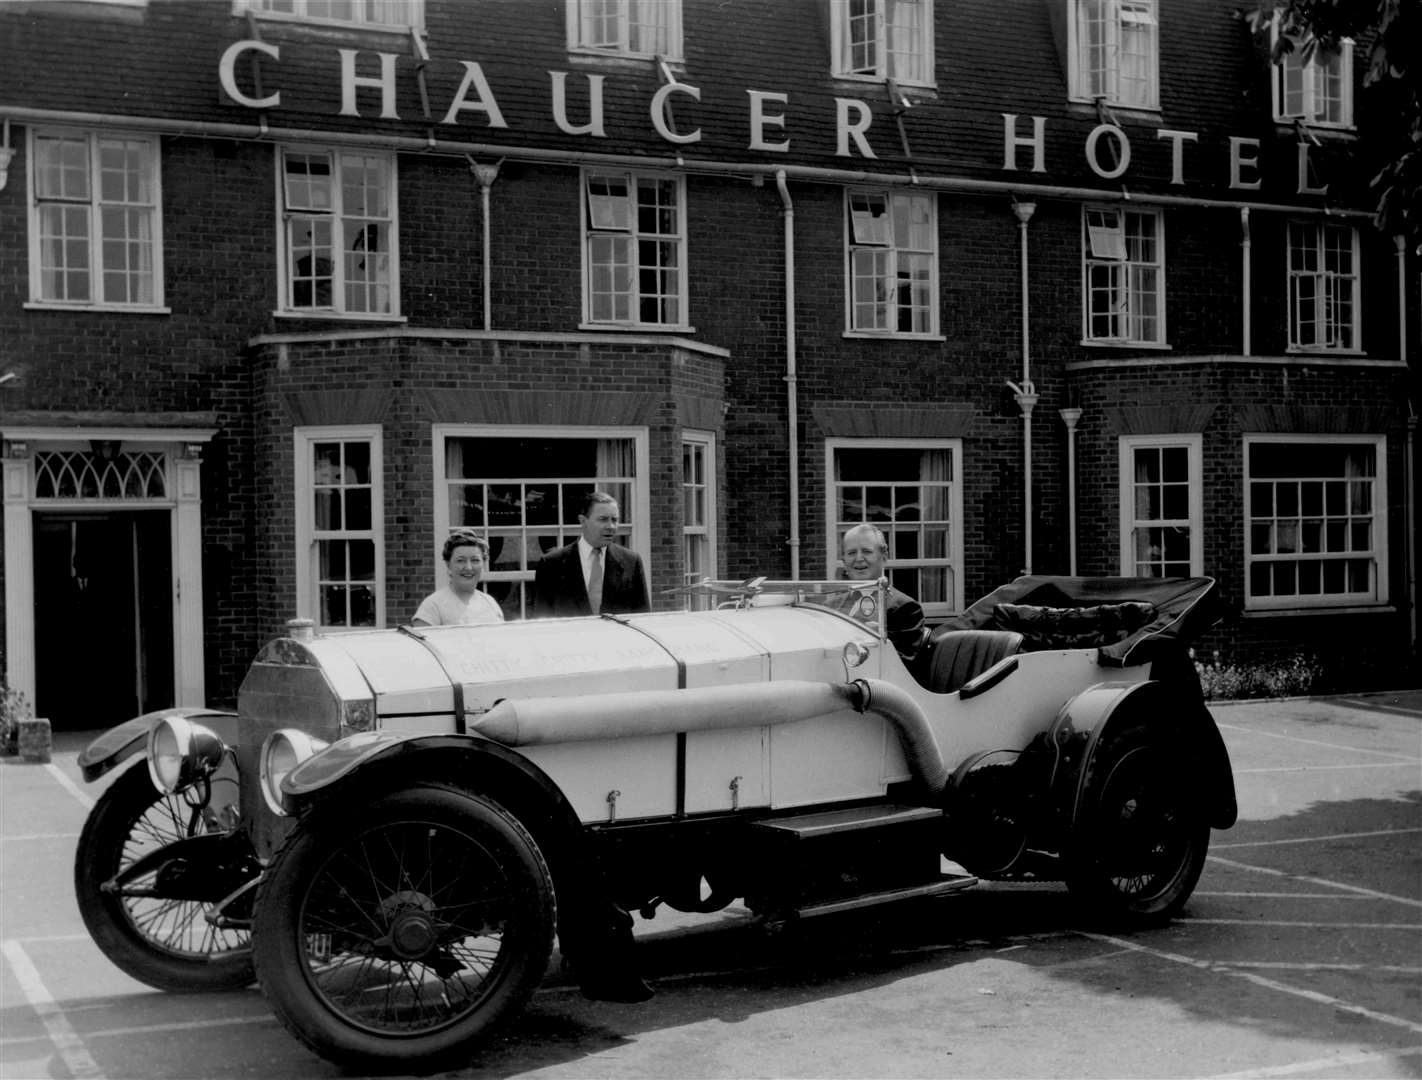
<point>616,467</point>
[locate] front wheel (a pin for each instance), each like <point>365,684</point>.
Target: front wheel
<point>399,933</point>
<point>1140,837</point>
<point>152,923</point>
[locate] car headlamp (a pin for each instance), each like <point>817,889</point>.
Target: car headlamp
<point>283,751</point>
<point>180,753</point>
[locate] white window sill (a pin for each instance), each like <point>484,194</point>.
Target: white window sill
<point>1286,126</point>
<point>1122,112</point>
<point>638,328</point>
<point>1299,350</point>
<point>615,58</point>
<point>1104,343</point>
<point>128,309</point>
<point>889,335</point>
<point>338,316</point>
<point>928,89</point>
<point>1321,609</point>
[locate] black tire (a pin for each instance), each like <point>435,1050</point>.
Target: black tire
<point>164,942</point>
<point>439,899</point>
<point>1140,837</point>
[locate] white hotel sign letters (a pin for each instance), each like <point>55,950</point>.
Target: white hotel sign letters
<point>1107,148</point>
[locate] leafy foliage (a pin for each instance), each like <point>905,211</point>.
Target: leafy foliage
<point>1390,114</point>
<point>14,707</point>
<point>1229,682</point>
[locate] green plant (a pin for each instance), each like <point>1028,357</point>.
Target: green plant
<point>1300,674</point>
<point>14,707</point>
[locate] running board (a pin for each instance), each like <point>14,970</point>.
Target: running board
<point>949,883</point>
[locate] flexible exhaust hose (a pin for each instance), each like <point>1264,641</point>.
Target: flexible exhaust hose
<point>920,746</point>
<point>539,721</point>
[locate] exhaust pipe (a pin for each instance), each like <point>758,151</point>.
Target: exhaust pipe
<point>540,721</point>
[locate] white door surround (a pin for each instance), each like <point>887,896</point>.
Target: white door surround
<point>172,458</point>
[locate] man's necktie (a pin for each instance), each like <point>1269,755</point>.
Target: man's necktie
<point>595,582</point>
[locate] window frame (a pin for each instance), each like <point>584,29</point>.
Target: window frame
<point>632,230</point>
<point>1193,445</point>
<point>1089,260</point>
<point>96,270</point>
<point>841,43</point>
<point>1322,300</point>
<point>574,19</point>
<point>854,242</point>
<point>286,307</point>
<point>308,536</point>
<point>1079,73</point>
<point>415,7</point>
<point>703,444</point>
<point>1378,515</point>
<point>954,562</point>
<point>639,524</point>
<point>1308,84</point>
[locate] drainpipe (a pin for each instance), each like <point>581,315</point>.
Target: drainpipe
<point>1409,460</point>
<point>1026,393</point>
<point>791,394</point>
<point>486,175</point>
<point>1247,268</point>
<point>1069,418</point>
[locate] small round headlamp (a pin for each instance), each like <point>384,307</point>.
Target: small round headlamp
<point>283,751</point>
<point>180,753</point>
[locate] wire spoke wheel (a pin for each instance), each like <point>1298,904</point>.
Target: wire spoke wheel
<point>403,938</point>
<point>150,925</point>
<point>1140,839</point>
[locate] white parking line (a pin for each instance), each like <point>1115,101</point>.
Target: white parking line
<point>70,786</point>
<point>1258,980</point>
<point>1317,839</point>
<point>38,837</point>
<point>1318,881</point>
<point>1288,965</point>
<point>69,1046</point>
<point>1363,1057</point>
<point>1358,703</point>
<point>1248,895</point>
<point>1305,925</point>
<point>1247,730</point>
<point>1400,764</point>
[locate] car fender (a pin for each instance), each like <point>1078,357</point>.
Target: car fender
<point>1079,727</point>
<point>129,738</point>
<point>363,764</point>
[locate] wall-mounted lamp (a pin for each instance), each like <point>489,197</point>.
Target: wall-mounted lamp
<point>105,449</point>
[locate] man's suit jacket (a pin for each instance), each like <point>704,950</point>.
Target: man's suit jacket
<point>903,619</point>
<point>559,589</point>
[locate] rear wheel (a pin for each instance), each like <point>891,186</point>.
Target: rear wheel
<point>398,934</point>
<point>153,925</point>
<point>1140,836</point>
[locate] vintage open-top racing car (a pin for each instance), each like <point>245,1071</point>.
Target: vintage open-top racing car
<point>393,827</point>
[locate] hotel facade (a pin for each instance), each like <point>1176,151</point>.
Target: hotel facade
<point>289,288</point>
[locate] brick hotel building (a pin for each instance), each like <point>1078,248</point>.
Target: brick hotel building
<point>288,288</point>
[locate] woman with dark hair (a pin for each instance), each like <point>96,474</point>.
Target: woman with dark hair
<point>466,554</point>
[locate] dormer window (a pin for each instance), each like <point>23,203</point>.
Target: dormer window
<point>1115,50</point>
<point>1316,88</point>
<point>631,28</point>
<point>883,39</point>
<point>380,14</point>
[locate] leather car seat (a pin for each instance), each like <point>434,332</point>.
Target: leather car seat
<point>955,656</point>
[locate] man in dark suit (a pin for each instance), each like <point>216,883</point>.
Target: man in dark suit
<point>592,575</point>
<point>863,552</point>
